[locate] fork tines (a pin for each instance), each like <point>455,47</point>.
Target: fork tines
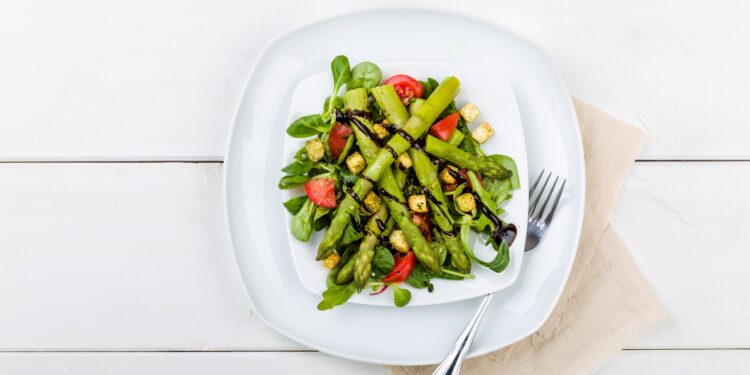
<point>540,215</point>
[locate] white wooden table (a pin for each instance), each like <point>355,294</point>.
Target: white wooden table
<point>113,121</point>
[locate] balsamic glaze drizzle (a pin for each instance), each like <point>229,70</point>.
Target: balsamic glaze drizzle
<point>341,117</point>
<point>431,197</point>
<point>454,173</point>
<point>363,128</point>
<point>502,232</point>
<point>361,113</point>
<point>356,224</point>
<point>392,197</point>
<point>380,224</point>
<point>368,179</point>
<point>392,151</point>
<point>356,198</point>
<point>406,136</point>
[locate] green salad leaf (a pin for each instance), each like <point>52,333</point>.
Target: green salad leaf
<point>336,295</point>
<point>299,167</point>
<point>295,204</point>
<point>382,262</point>
<point>498,264</point>
<point>420,278</point>
<point>302,221</point>
<point>401,297</point>
<point>288,182</point>
<point>308,126</point>
<point>365,74</point>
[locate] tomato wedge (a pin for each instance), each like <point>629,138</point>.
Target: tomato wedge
<point>445,127</point>
<point>402,268</point>
<point>337,139</point>
<point>406,87</point>
<point>321,191</point>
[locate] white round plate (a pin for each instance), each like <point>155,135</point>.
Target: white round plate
<point>415,335</point>
<point>493,95</point>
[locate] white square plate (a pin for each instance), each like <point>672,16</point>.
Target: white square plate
<point>493,95</point>
<point>256,218</point>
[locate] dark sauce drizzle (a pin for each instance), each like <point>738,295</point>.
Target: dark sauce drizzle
<point>392,197</point>
<point>368,179</point>
<point>356,224</point>
<point>356,198</point>
<point>431,197</point>
<point>363,128</point>
<point>392,151</point>
<point>406,136</point>
<point>380,224</point>
<point>341,117</point>
<point>361,113</point>
<point>502,232</point>
<point>454,173</point>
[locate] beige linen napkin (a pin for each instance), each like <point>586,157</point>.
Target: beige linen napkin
<point>606,302</point>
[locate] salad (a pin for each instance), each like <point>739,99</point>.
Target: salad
<point>397,180</point>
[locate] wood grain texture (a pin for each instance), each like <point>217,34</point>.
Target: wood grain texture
<point>120,256</point>
<point>144,80</point>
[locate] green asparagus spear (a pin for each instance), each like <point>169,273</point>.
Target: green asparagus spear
<point>427,176</point>
<point>346,272</point>
<point>456,138</point>
<point>362,266</point>
<point>385,96</point>
<point>401,214</point>
<point>482,164</point>
<point>356,99</point>
<point>415,127</point>
<point>422,249</point>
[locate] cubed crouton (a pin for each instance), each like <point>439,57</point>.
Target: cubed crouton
<point>418,203</point>
<point>356,163</point>
<point>381,131</point>
<point>482,133</point>
<point>332,261</point>
<point>403,161</point>
<point>398,240</point>
<point>469,112</point>
<point>446,177</point>
<point>372,202</point>
<point>315,149</point>
<point>465,202</point>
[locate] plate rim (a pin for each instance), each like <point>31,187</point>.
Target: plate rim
<point>567,107</point>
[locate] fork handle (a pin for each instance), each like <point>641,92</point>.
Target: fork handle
<point>451,365</point>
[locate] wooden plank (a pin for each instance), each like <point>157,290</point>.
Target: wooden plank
<point>181,364</point>
<point>159,80</point>
<point>135,257</point>
<point>678,362</point>
<point>120,256</point>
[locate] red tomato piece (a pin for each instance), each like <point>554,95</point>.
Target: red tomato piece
<point>406,87</point>
<point>402,268</point>
<point>445,127</point>
<point>337,139</point>
<point>322,191</point>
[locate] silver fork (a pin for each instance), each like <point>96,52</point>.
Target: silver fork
<point>540,217</point>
